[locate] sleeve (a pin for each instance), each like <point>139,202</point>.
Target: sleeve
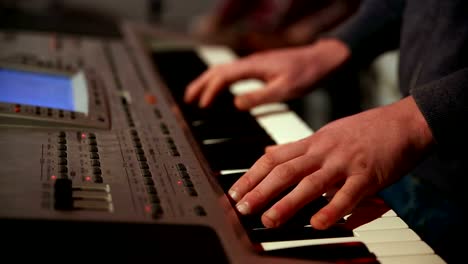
<point>231,11</point>
<point>373,29</point>
<point>444,104</point>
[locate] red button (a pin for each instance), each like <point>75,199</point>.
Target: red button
<point>150,99</point>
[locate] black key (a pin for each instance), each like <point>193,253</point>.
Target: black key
<point>260,235</point>
<point>226,181</point>
<point>168,64</point>
<point>235,153</point>
<point>351,252</point>
<point>241,125</point>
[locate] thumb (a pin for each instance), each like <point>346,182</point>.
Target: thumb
<point>272,92</point>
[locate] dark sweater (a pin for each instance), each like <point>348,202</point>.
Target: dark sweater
<point>432,37</point>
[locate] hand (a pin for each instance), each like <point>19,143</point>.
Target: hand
<point>362,153</point>
<point>288,73</point>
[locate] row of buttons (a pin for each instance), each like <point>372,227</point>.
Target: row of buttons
<point>39,111</point>
<point>185,177</point>
<point>96,94</point>
<point>33,60</point>
<point>172,147</point>
<point>63,186</point>
<point>155,207</point>
<point>62,155</point>
<point>94,158</point>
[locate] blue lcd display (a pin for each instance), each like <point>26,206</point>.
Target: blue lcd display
<point>38,89</point>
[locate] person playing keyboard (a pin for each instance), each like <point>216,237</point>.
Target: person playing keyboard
<point>411,152</point>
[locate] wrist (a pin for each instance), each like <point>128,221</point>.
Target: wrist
<point>420,135</point>
<point>329,53</point>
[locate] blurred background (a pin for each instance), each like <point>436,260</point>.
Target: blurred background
<point>246,26</point>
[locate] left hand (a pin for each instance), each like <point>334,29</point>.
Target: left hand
<point>363,152</point>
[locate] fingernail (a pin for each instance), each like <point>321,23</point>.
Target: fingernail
<point>234,195</point>
<point>272,216</point>
<point>243,208</point>
<point>241,103</point>
<point>322,219</point>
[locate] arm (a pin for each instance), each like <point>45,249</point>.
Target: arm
<point>373,29</point>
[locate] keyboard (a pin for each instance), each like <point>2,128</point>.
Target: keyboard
<point>232,141</point>
<point>137,174</point>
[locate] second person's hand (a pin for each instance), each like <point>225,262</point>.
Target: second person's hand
<point>359,154</point>
<point>288,73</point>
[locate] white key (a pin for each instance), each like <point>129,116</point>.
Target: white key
<point>383,223</point>
<point>387,235</point>
<point>415,259</point>
<point>373,236</point>
<point>389,213</point>
<point>214,55</point>
<point>400,248</point>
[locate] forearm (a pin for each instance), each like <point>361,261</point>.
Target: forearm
<point>230,11</point>
<point>373,29</point>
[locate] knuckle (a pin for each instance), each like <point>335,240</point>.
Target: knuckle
<point>284,206</point>
<point>349,194</point>
<point>216,80</point>
<point>284,172</point>
<point>269,159</point>
<point>312,182</point>
<point>245,182</point>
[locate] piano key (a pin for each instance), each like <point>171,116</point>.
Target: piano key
<point>350,252</point>
<point>389,213</point>
<point>262,235</point>
<point>413,259</point>
<point>227,180</point>
<point>239,126</point>
<point>276,123</point>
<point>235,153</point>
<point>403,248</point>
<point>366,237</point>
<point>227,172</point>
<point>387,235</point>
<point>383,223</point>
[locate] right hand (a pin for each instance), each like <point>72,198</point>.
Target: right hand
<point>288,73</point>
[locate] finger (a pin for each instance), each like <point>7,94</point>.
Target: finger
<point>308,189</point>
<point>263,166</point>
<point>342,203</point>
<point>285,146</point>
<point>272,92</point>
<point>213,87</point>
<point>195,88</point>
<point>278,180</point>
<point>220,77</point>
